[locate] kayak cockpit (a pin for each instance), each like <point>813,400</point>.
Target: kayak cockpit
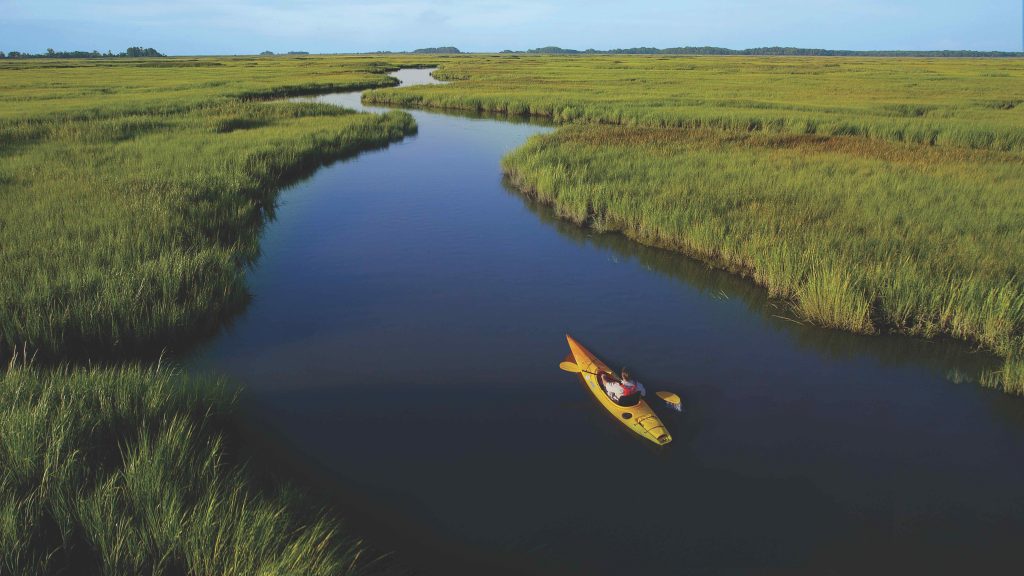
<point>624,397</point>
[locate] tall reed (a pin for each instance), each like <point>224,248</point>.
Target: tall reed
<point>125,471</point>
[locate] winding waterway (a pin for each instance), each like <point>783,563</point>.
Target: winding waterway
<point>408,318</point>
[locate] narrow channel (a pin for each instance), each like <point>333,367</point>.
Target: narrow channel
<point>408,319</point>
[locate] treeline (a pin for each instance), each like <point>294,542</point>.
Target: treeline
<point>776,51</point>
<point>133,52</point>
<point>438,50</point>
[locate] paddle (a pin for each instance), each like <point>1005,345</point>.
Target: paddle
<point>573,367</point>
<point>669,398</point>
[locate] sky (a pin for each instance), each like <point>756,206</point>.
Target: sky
<point>323,26</point>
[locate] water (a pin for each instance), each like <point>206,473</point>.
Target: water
<point>408,318</point>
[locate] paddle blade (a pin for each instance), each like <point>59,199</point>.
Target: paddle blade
<point>569,367</point>
<point>671,400</point>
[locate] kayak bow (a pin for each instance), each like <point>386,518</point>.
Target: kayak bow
<point>639,418</point>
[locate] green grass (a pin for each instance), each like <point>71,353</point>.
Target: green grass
<point>974,103</point>
<point>125,471</point>
<point>132,195</point>
<point>870,194</point>
<point>34,90</point>
<point>125,226</point>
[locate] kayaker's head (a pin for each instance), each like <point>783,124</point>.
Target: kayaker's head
<point>625,375</point>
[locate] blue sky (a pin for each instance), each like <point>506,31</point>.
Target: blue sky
<point>249,26</point>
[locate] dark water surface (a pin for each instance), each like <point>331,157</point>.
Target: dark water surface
<point>408,319</point>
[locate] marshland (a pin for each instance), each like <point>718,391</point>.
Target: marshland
<point>133,195</point>
<point>820,255</point>
<point>872,194</point>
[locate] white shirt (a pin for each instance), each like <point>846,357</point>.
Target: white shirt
<point>615,388</point>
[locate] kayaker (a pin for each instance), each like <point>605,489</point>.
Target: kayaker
<point>632,386</point>
<point>623,391</point>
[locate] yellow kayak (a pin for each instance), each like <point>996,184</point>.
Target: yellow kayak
<point>639,418</point>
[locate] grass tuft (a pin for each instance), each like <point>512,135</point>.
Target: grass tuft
<point>829,297</point>
<point>126,471</point>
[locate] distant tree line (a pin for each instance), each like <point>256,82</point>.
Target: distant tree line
<point>133,52</point>
<point>438,50</point>
<point>776,51</point>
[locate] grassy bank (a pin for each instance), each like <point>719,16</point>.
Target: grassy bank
<point>856,236</point>
<point>973,103</point>
<point>124,228</point>
<point>871,194</point>
<point>126,471</point>
<point>132,195</point>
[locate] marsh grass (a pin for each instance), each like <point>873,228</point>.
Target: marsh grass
<point>126,471</point>
<point>1010,378</point>
<point>132,195</point>
<point>125,226</point>
<point>969,103</point>
<point>871,194</point>
<point>858,235</point>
